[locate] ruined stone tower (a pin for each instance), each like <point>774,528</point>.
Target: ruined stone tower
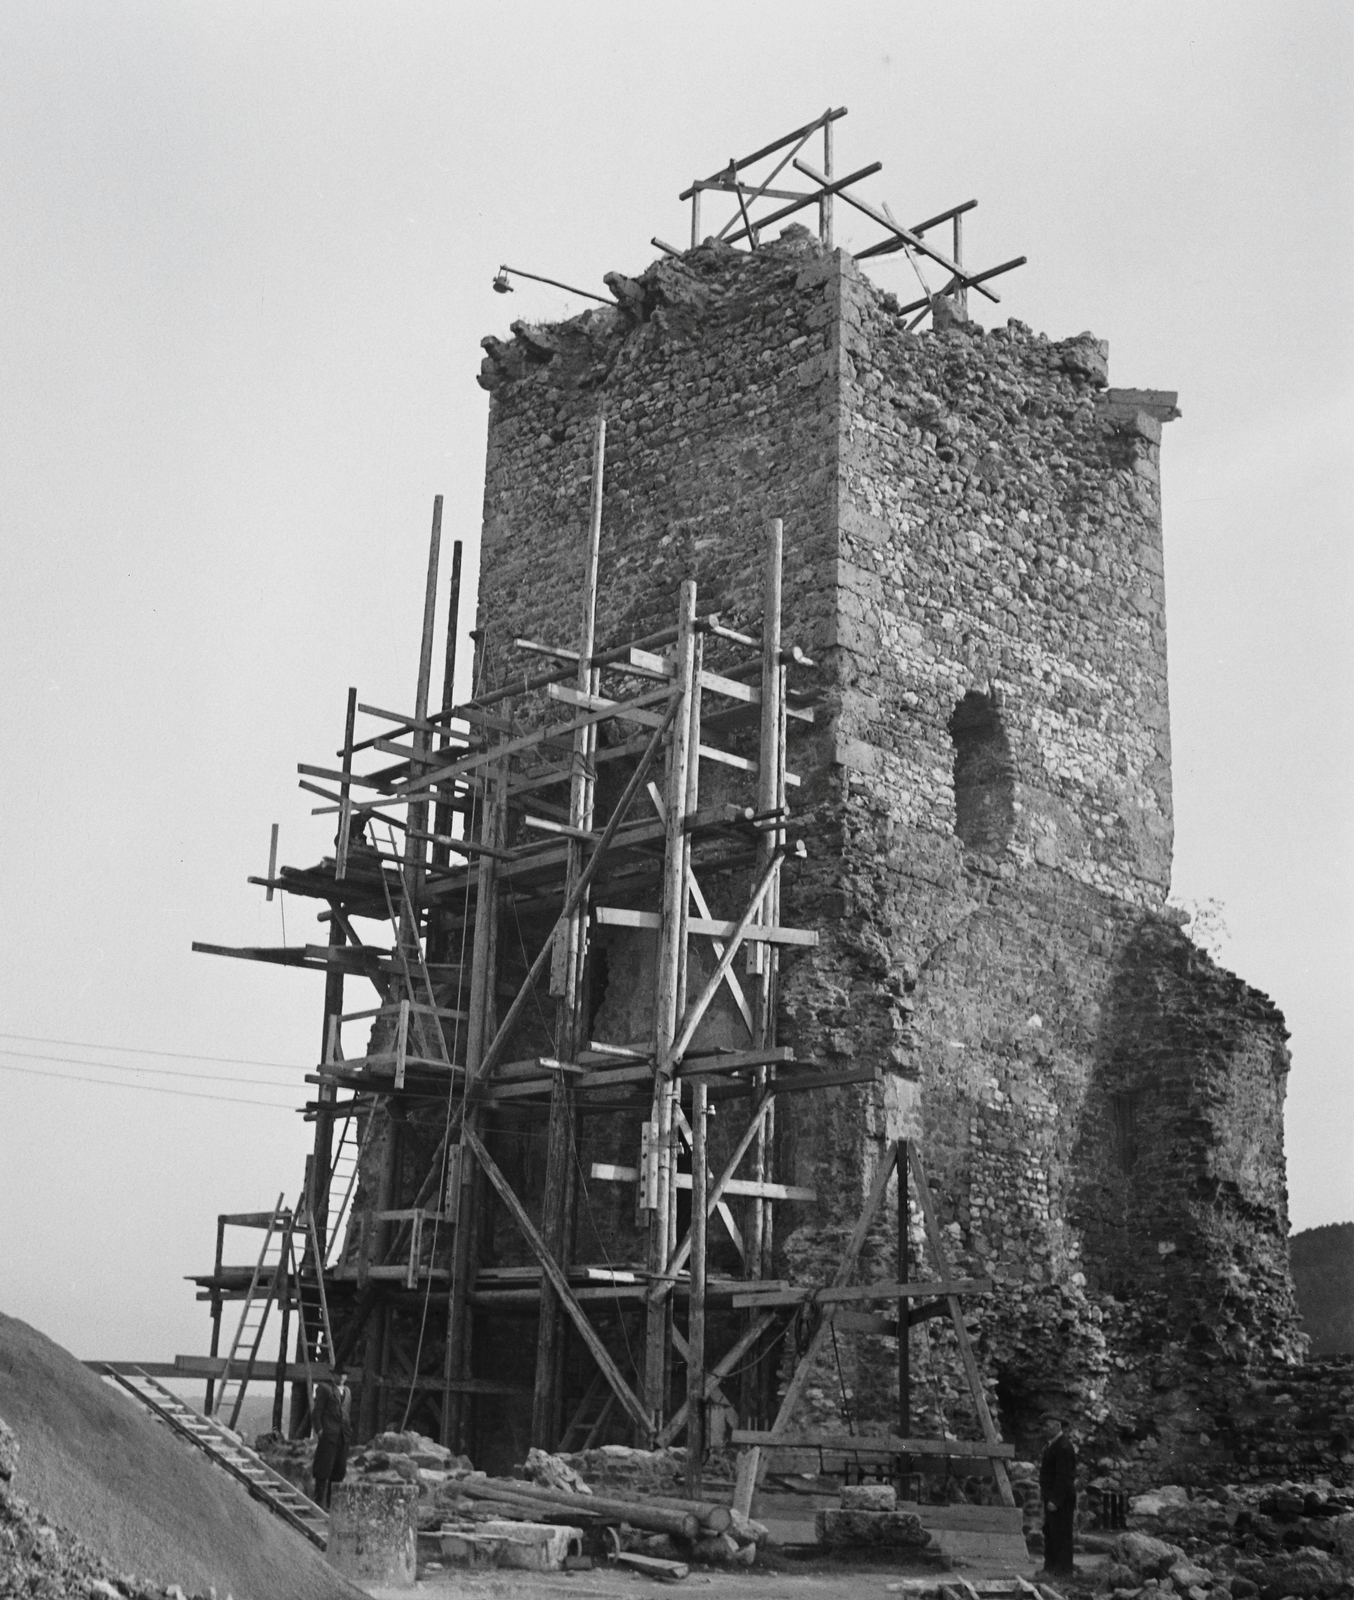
<point>973,560</point>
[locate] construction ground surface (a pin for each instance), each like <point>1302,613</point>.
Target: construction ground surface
<point>838,1582</point>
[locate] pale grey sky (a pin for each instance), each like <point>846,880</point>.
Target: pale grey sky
<point>245,264</point>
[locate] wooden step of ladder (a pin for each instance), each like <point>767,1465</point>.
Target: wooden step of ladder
<point>594,1409</point>
<point>220,1445</point>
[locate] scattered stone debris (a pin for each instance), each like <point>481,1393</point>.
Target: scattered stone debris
<point>41,1560</point>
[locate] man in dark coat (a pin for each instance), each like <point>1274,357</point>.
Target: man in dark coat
<point>1058,1492</point>
<point>331,1418</point>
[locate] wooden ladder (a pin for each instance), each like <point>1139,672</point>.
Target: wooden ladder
<point>224,1447</point>
<point>264,1287</point>
<point>593,1412</point>
<point>307,1278</point>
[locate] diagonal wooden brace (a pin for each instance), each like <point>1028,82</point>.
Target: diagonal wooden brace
<point>560,1284</point>
<point>725,1365</point>
<point>683,1250</point>
<point>579,891</point>
<point>975,1382</point>
<point>696,1011</point>
<point>750,1466</point>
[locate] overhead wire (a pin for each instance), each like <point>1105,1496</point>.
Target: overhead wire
<point>141,1050</point>
<point>159,1072</point>
<point>146,1088</point>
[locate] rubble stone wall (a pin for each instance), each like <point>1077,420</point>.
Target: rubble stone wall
<point>974,560</point>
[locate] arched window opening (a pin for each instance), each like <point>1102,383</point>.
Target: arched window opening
<point>984,775</point>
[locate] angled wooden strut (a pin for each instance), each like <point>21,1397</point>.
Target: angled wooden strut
<point>991,1447</point>
<point>750,1466</point>
<point>560,1284</point>
<point>975,1382</point>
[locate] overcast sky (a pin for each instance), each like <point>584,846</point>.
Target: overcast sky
<point>245,264</point>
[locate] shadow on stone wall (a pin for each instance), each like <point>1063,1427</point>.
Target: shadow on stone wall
<point>1181,1190</point>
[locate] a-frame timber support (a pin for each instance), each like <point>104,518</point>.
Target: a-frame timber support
<point>944,1291</point>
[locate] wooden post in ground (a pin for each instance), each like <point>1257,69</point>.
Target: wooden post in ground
<point>667,1000</point>
<point>695,1365</point>
<point>566,984</point>
<point>700,1178</point>
<point>479,1028</point>
<point>762,958</point>
<point>216,1312</point>
<point>322,1149</point>
<point>904,1276</point>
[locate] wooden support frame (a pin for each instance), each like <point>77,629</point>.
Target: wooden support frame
<point>560,1284</point>
<point>745,224</point>
<point>439,1045</point>
<point>903,1160</point>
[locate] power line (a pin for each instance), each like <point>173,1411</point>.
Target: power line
<point>159,1072</point>
<point>146,1088</point>
<point>138,1050</point>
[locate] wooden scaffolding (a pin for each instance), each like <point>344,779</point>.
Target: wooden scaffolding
<point>506,809</point>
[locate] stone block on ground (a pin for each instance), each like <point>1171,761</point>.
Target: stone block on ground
<point>871,1529</point>
<point>1186,1574</point>
<point>869,1497</point>
<point>502,1542</point>
<point>1149,1557</point>
<point>1307,1574</point>
<point>373,1532</point>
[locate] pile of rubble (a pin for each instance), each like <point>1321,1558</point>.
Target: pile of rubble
<point>46,1562</point>
<point>614,1502</point>
<point>1248,1541</point>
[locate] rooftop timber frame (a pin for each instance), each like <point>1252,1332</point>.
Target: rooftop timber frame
<point>440,1045</point>
<point>745,224</point>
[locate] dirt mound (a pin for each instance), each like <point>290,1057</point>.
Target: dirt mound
<point>148,1502</point>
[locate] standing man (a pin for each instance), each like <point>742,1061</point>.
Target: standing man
<point>1058,1492</point>
<point>331,1417</point>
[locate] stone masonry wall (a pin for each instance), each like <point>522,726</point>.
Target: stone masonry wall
<point>973,557</point>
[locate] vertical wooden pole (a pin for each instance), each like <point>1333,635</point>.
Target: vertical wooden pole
<point>216,1312</point>
<point>272,861</point>
<point>904,1269</point>
<point>285,1292</point>
<point>695,1364</point>
<point>825,204</point>
<point>443,813</point>
<point>322,1150</point>
<point>479,1029</point>
<point>566,984</point>
<point>761,957</point>
<point>762,960</point>
<point>345,790</point>
<point>416,850</point>
<point>961,293</point>
<point>667,999</point>
<point>695,218</point>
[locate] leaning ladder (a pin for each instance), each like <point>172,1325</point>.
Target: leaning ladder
<point>264,1287</point>
<point>224,1448</point>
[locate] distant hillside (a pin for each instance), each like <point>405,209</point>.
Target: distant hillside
<point>1323,1275</point>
